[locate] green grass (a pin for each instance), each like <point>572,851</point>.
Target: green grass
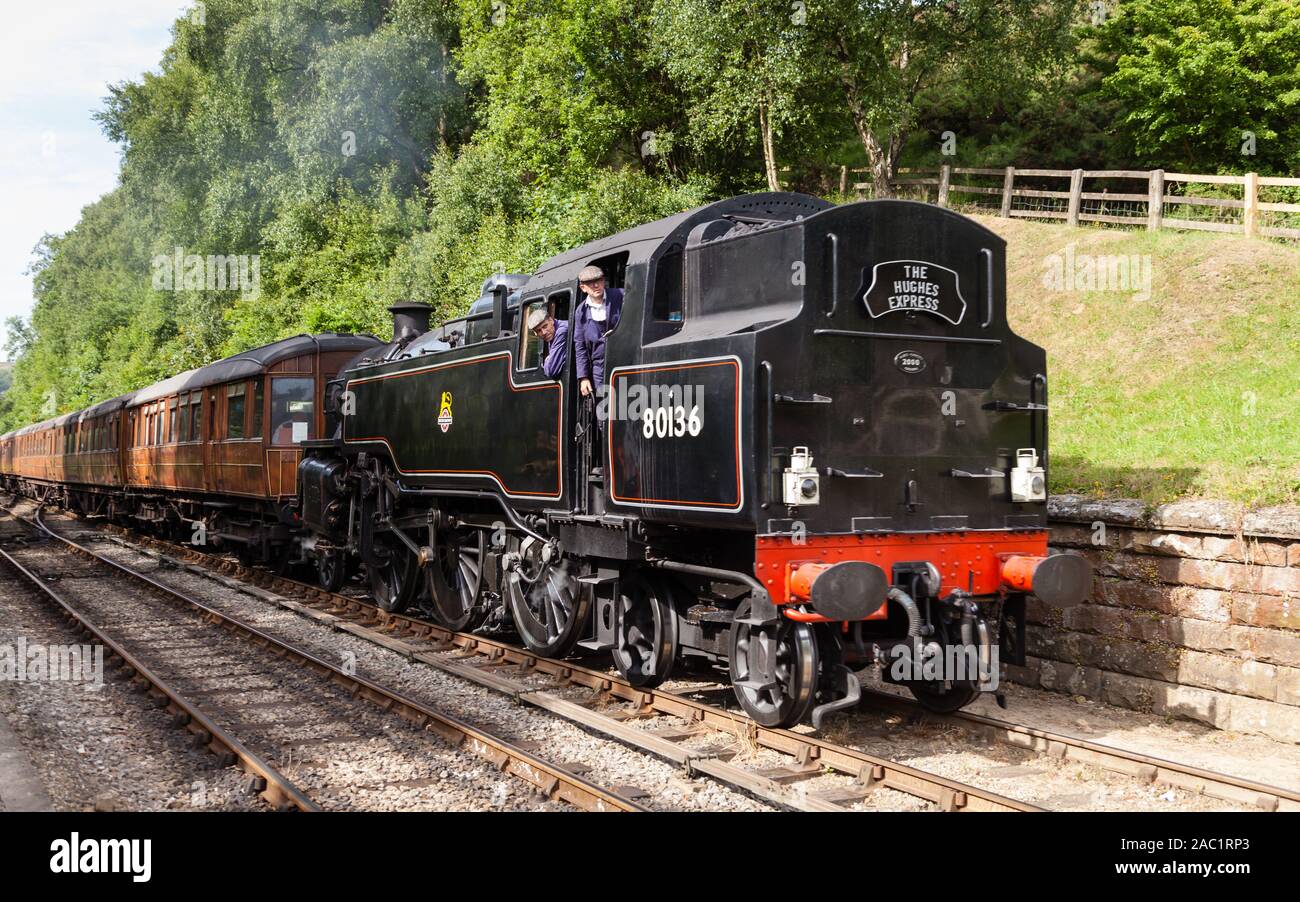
<point>1194,392</point>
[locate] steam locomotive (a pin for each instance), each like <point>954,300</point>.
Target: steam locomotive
<point>818,448</point>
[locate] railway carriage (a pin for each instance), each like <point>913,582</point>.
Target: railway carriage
<point>212,452</point>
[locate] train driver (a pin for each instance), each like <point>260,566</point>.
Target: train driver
<point>594,318</point>
<point>552,335</point>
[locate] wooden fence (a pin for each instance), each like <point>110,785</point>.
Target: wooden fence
<point>1164,203</point>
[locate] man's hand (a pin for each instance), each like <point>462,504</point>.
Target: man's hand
<point>584,387</point>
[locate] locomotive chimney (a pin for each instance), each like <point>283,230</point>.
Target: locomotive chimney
<point>410,320</point>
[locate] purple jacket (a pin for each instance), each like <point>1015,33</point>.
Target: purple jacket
<point>557,352</point>
<point>589,336</point>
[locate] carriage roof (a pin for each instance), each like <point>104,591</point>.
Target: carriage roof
<point>246,363</point>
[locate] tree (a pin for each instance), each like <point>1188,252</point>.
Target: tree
<point>880,55</point>
<point>1206,84</point>
<point>743,67</point>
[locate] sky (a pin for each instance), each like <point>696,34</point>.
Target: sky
<point>57,58</point>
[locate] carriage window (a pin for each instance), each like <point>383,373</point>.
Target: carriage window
<point>196,415</point>
<point>184,434</point>
<point>258,396</point>
<point>292,410</point>
<point>159,415</point>
<point>235,411</point>
<point>173,407</point>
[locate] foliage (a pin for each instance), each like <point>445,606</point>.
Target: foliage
<point>370,151</point>
<point>1193,75</point>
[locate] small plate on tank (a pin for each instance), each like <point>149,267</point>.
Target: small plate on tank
<point>909,362</point>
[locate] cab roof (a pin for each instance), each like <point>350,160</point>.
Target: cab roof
<point>642,242</point>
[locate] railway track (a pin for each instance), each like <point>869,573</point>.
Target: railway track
<point>290,705</point>
<point>1177,775</point>
<point>786,768</point>
<point>513,670</point>
<point>715,740</point>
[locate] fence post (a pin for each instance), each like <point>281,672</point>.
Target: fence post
<point>844,180</point>
<point>1076,189</point>
<point>945,176</point>
<point>1250,215</point>
<point>1007,181</point>
<point>1155,199</point>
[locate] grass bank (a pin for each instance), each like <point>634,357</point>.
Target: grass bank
<point>1193,390</point>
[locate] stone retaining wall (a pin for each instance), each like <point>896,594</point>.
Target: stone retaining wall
<point>1194,613</point>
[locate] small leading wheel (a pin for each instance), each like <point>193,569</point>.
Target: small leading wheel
<point>392,574</point>
<point>774,668</point>
<point>331,570</point>
<point>943,697</point>
<point>645,625</point>
<point>455,578</point>
<point>548,604</point>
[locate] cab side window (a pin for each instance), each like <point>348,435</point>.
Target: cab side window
<point>530,346</point>
<point>667,304</point>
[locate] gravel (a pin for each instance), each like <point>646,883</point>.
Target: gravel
<point>103,748</point>
<point>606,762</point>
<point>937,748</point>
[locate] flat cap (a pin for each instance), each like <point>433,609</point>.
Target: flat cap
<point>536,317</point>
<point>591,272</point>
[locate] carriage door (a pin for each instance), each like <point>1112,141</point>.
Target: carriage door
<point>211,479</point>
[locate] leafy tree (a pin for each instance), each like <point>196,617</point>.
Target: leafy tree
<point>745,69</point>
<point>572,85</point>
<point>1193,76</point>
<point>883,54</point>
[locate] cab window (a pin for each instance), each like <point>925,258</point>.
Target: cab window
<point>530,346</point>
<point>667,304</point>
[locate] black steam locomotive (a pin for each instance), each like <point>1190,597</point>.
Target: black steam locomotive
<point>819,447</point>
